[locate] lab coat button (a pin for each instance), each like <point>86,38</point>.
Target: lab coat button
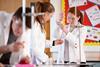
<point>75,45</point>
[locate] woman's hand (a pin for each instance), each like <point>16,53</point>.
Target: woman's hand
<point>58,42</point>
<point>65,30</point>
<point>16,46</point>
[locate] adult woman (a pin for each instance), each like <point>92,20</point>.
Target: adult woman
<point>12,30</point>
<point>75,37</point>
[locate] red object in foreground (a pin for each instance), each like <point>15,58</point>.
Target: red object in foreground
<point>24,61</point>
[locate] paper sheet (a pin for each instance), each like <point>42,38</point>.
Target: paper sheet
<point>73,3</point>
<point>93,33</point>
<point>93,14</point>
<point>95,1</point>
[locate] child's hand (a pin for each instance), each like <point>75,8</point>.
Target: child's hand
<point>59,18</point>
<point>58,41</point>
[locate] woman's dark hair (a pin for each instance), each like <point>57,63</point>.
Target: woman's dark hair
<point>79,14</point>
<point>41,7</point>
<point>18,15</point>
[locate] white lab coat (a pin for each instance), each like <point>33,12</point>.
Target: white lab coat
<point>74,44</point>
<point>5,19</point>
<point>25,38</point>
<point>40,43</point>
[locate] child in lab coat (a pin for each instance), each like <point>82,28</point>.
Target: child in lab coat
<point>75,35</point>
